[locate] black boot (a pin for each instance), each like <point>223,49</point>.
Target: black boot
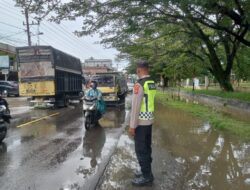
<point>138,173</point>
<point>143,181</point>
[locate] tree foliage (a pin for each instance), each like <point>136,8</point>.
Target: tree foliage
<point>213,29</point>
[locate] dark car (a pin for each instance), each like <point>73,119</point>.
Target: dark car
<point>9,88</point>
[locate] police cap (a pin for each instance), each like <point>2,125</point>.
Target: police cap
<point>142,64</point>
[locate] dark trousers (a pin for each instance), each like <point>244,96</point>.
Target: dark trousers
<point>143,150</point>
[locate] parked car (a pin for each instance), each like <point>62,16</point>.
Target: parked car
<point>9,88</point>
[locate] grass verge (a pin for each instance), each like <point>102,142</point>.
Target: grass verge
<point>215,118</point>
<point>228,95</point>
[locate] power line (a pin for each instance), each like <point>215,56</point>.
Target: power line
<point>10,25</point>
<point>47,43</point>
<point>10,6</point>
<point>59,40</point>
<point>65,35</point>
<point>14,40</point>
<point>78,39</point>
<point>11,35</point>
<point>62,38</point>
<point>69,38</point>
<point>8,12</point>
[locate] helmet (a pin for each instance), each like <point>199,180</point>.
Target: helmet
<point>93,84</point>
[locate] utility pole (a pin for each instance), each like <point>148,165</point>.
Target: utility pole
<point>26,13</point>
<point>38,31</point>
<point>28,24</point>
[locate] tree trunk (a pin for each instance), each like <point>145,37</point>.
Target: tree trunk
<point>220,73</point>
<point>206,82</point>
<point>224,81</point>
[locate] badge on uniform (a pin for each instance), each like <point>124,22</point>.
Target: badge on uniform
<point>136,88</point>
<point>151,86</point>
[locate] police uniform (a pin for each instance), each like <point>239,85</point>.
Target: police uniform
<point>142,116</point>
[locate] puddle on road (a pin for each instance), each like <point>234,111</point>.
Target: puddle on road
<point>59,151</point>
<point>212,159</point>
<point>113,118</point>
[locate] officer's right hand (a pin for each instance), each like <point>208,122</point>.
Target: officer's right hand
<point>131,131</point>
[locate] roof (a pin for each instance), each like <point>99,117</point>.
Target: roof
<point>7,48</point>
<point>110,73</point>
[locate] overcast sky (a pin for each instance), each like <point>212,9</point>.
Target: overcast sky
<point>59,36</point>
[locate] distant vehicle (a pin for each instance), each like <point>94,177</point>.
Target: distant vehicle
<point>9,88</point>
<point>130,86</point>
<point>113,86</point>
<point>51,77</point>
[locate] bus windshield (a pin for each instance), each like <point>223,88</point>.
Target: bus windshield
<point>36,69</point>
<point>104,81</point>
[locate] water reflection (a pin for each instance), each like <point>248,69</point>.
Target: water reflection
<point>113,118</point>
<point>4,158</point>
<point>93,142</point>
<point>213,159</point>
<point>43,129</point>
<point>3,148</point>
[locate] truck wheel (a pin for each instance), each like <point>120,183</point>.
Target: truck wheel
<point>66,102</point>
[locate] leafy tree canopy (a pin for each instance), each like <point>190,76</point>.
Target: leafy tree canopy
<point>215,28</point>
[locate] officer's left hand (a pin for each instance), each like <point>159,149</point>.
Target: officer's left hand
<point>131,131</point>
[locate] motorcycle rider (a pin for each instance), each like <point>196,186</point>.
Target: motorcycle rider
<point>5,103</point>
<point>94,92</point>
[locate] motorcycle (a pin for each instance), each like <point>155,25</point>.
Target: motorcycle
<point>4,119</point>
<point>90,111</point>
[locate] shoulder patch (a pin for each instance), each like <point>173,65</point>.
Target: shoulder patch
<point>136,88</point>
<point>151,86</point>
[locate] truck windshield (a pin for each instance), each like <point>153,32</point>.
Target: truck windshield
<point>104,81</point>
<point>36,69</point>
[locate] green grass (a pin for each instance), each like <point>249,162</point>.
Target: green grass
<point>245,96</point>
<point>245,84</point>
<point>215,118</point>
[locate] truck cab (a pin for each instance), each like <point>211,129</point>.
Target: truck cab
<point>113,86</point>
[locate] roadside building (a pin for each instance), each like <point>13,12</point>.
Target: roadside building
<point>92,66</point>
<point>8,65</point>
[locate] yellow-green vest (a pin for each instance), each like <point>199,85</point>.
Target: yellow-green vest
<point>147,105</point>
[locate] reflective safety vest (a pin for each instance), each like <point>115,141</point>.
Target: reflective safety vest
<point>147,105</point>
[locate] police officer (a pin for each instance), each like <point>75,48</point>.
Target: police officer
<point>141,121</point>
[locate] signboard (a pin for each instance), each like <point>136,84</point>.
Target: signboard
<point>4,62</point>
<point>5,71</point>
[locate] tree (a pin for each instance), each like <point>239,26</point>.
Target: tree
<point>214,24</point>
<point>242,67</point>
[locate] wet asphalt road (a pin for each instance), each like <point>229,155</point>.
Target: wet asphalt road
<point>56,152</point>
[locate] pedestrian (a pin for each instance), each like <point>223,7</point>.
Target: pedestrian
<point>141,121</point>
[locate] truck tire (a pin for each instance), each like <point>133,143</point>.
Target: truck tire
<point>66,101</point>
